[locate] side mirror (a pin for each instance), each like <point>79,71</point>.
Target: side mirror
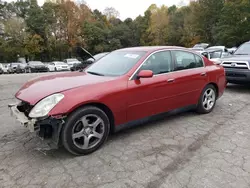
<point>145,74</point>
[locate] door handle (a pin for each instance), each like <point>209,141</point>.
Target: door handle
<point>203,74</point>
<point>170,80</point>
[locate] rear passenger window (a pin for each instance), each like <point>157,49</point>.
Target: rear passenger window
<point>199,61</point>
<point>186,60</point>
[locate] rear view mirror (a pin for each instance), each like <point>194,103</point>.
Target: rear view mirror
<point>145,74</point>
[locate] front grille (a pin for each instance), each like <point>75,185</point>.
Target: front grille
<point>236,75</point>
<point>25,108</point>
<point>235,65</point>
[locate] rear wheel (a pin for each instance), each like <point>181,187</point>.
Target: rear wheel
<point>85,130</point>
<point>207,100</point>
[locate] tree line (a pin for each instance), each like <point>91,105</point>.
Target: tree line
<point>51,32</point>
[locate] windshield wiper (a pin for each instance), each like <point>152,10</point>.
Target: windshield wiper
<point>95,73</point>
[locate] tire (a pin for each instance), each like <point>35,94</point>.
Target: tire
<point>55,69</point>
<point>74,126</point>
<point>207,100</point>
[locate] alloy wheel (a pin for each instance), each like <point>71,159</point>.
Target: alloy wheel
<point>209,99</point>
<point>88,131</point>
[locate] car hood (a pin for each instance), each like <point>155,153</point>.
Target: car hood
<point>237,58</point>
<point>39,88</point>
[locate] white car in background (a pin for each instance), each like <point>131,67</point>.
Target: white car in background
<point>71,62</point>
<point>215,54</point>
<point>4,68</point>
<point>198,49</point>
<point>58,66</point>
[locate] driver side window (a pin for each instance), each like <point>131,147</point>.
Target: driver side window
<point>159,63</point>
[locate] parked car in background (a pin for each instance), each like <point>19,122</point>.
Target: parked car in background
<point>4,67</point>
<point>71,62</point>
<point>21,60</point>
<point>201,45</point>
<point>36,66</point>
<point>237,66</point>
<point>223,48</point>
<point>232,50</point>
<point>89,61</point>
<point>58,66</point>
<point>215,54</point>
<point>1,68</point>
<point>123,88</point>
<point>10,69</point>
<point>18,67</point>
<point>198,49</point>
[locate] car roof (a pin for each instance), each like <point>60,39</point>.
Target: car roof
<point>150,48</point>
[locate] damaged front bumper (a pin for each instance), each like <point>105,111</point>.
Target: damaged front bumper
<point>20,116</point>
<point>48,128</point>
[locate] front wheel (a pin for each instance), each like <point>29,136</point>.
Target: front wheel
<point>85,130</point>
<point>207,100</point>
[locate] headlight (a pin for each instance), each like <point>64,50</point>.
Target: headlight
<point>43,107</point>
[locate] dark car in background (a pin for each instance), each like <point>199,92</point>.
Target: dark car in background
<point>237,66</point>
<point>36,66</point>
<point>89,61</point>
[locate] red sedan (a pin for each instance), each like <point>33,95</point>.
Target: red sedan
<point>127,86</point>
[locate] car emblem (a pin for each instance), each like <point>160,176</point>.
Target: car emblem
<point>233,64</point>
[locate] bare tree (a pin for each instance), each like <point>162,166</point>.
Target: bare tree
<point>111,12</point>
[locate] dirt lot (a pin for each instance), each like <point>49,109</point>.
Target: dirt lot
<point>187,150</point>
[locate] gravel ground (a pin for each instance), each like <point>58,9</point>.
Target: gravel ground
<point>186,150</point>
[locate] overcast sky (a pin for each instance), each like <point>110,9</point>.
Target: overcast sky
<point>131,8</point>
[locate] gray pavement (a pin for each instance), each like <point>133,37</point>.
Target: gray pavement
<point>186,150</point>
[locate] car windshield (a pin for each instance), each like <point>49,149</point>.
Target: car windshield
<point>116,63</point>
<point>35,63</point>
<point>99,56</point>
<point>244,49</point>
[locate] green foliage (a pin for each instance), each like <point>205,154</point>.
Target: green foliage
<point>233,27</point>
<point>50,32</point>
